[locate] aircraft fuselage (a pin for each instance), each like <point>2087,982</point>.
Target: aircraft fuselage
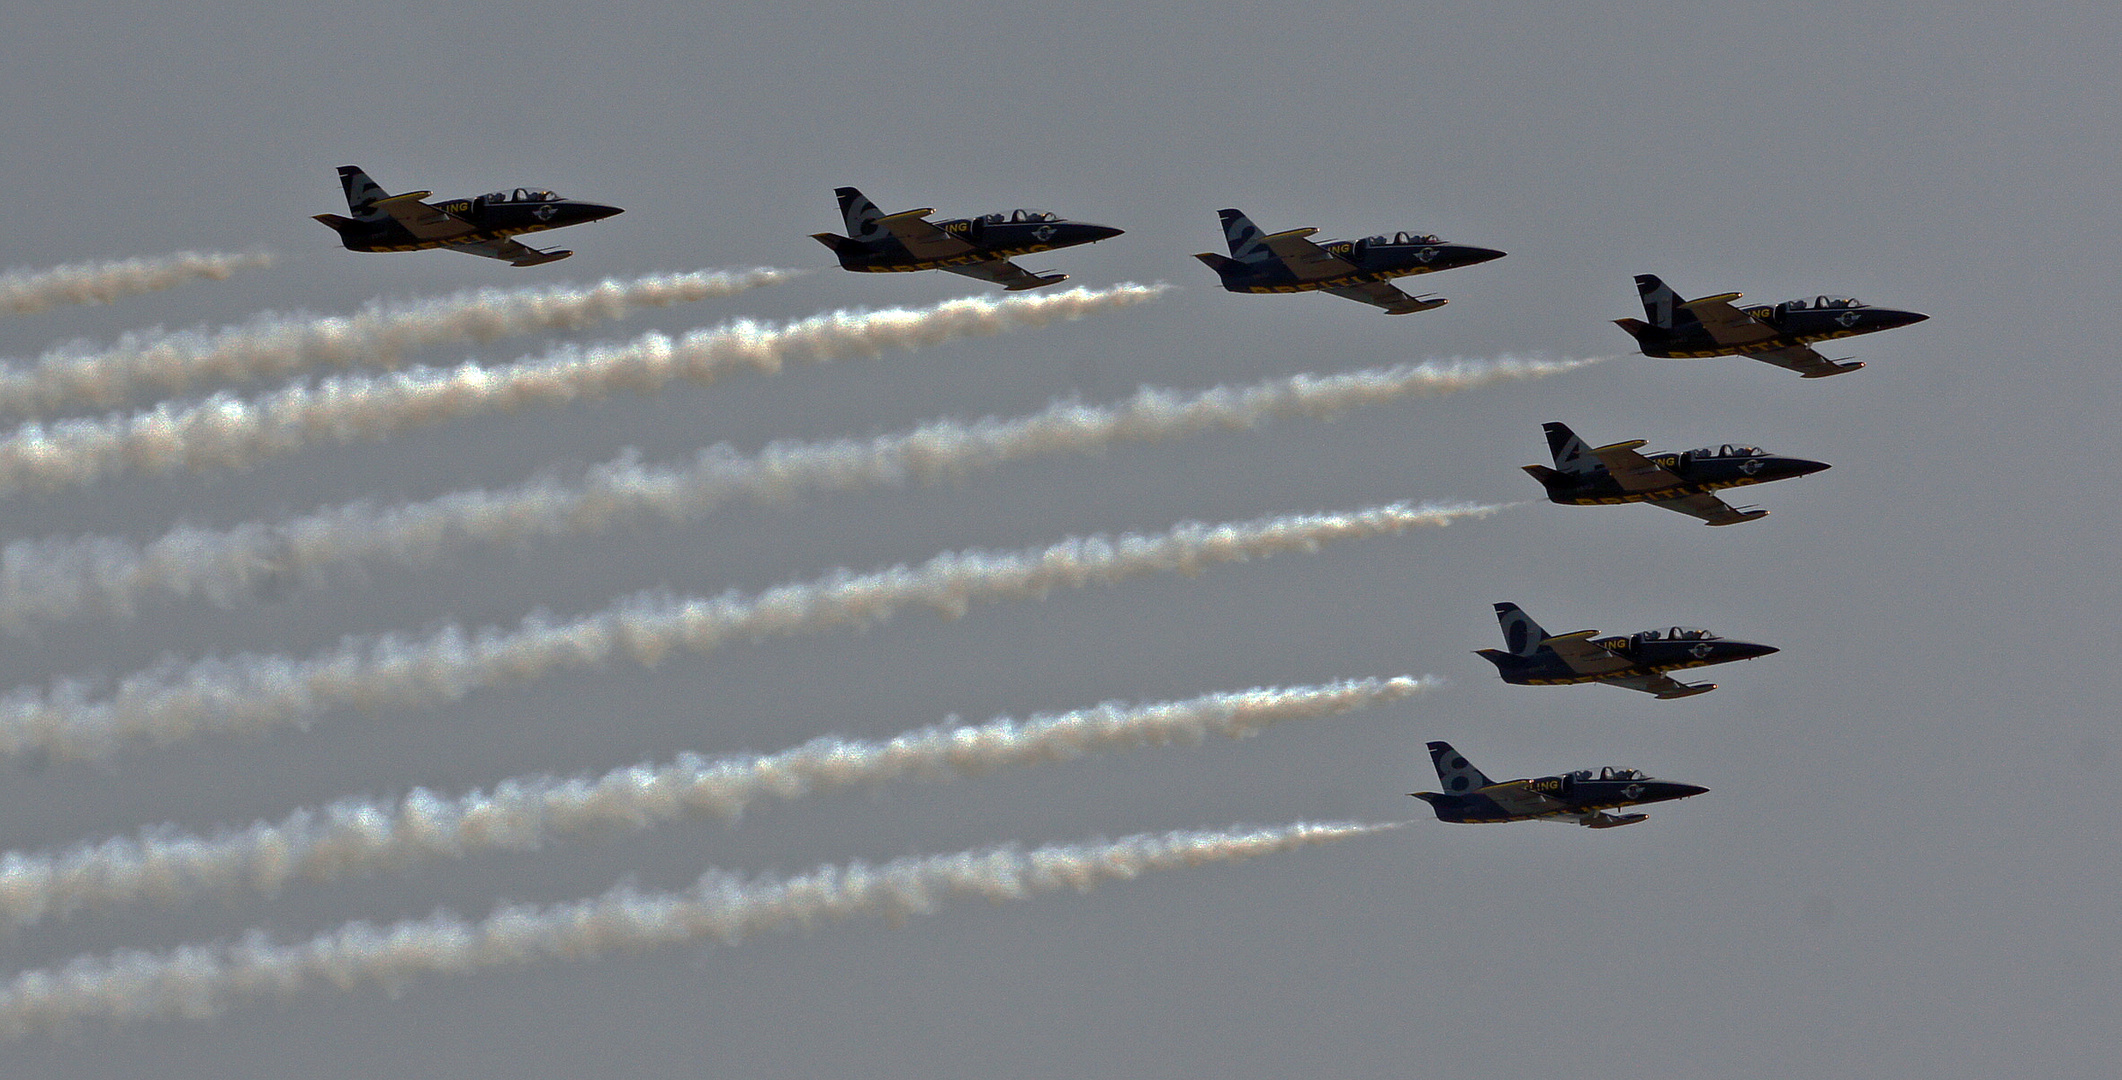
<point>1698,475</point>
<point>1793,327</point>
<point>1578,795</point>
<point>1645,657</point>
<point>490,221</point>
<point>991,240</point>
<point>1373,262</point>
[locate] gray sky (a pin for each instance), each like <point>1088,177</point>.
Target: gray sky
<point>1904,866</point>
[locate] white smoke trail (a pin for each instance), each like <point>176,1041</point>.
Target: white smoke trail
<point>198,982</point>
<point>250,692</point>
<point>66,577</point>
<point>23,291</point>
<point>364,836</point>
<point>225,431</point>
<point>379,334</point>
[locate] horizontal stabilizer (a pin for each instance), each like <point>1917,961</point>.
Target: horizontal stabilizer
<point>1574,635</point>
<point>1745,513</point>
<point>1293,234</point>
<point>1037,281</point>
<point>908,215</point>
<point>1632,444</point>
<point>1687,690</point>
<point>410,196</point>
<point>1834,368</point>
<point>1414,304</point>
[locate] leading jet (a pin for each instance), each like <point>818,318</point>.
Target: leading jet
<point>1683,482</point>
<point>981,247</point>
<point>1360,270</point>
<point>1778,335</point>
<point>1635,662</point>
<point>480,226</point>
<point>1578,796</point>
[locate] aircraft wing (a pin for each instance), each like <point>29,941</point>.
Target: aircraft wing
<point>1632,470</point>
<point>1007,274</point>
<point>1309,261</point>
<point>1727,324</point>
<point>922,238</point>
<point>1709,508</point>
<point>509,251</point>
<point>1804,361</point>
<point>1382,294</point>
<point>422,220</point>
<point>1582,656</point>
<point>1663,687</point>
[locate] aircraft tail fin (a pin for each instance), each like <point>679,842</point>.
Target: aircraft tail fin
<point>1570,452</point>
<point>1454,773</point>
<point>1246,240</point>
<point>1521,635</point>
<point>362,194</point>
<point>1661,305</point>
<point>862,216</point>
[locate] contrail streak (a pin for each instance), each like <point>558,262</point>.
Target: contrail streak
<point>379,334</point>
<point>364,836</point>
<point>225,431</point>
<point>67,577</point>
<point>24,291</point>
<point>250,692</point>
<point>198,982</point>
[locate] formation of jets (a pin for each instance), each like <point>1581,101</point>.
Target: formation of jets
<point>1361,270</point>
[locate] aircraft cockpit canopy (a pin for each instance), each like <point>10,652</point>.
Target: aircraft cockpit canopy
<point>521,195</point>
<point>1611,773</point>
<point>1677,633</point>
<point>1404,239</point>
<point>1824,303</point>
<point>1726,450</point>
<point>1018,217</point>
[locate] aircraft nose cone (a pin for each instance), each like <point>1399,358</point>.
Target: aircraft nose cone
<point>1891,319</point>
<point>1746,650</point>
<point>597,211</point>
<point>1683,791</point>
<point>1094,233</point>
<point>1800,467</point>
<point>1467,256</point>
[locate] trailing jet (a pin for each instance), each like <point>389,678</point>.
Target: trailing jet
<point>1636,662</point>
<point>1579,796</point>
<point>981,247</point>
<point>1361,270</point>
<point>1777,335</point>
<point>1609,475</point>
<point>480,226</point>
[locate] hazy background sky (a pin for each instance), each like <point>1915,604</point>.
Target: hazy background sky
<point>1904,868</point>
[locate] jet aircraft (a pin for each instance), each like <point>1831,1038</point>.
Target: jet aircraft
<point>981,247</point>
<point>1578,796</point>
<point>1778,335</point>
<point>1682,482</point>
<point>1636,662</point>
<point>1360,270</point>
<point>480,226</point>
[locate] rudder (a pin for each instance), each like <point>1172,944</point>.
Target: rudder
<point>1521,635</point>
<point>1570,453</point>
<point>861,216</point>
<point>1245,237</point>
<point>1455,774</point>
<point>362,194</point>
